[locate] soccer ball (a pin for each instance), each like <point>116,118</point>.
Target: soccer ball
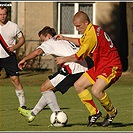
<point>58,119</point>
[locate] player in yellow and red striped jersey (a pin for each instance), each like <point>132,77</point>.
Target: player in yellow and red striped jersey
<point>107,65</point>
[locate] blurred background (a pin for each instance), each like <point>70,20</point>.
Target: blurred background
<point>116,18</point>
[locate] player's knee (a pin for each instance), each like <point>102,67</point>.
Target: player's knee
<point>77,87</point>
<point>42,89</point>
<point>45,87</point>
<point>96,92</point>
<point>15,80</point>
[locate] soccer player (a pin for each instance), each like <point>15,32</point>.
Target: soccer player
<point>62,80</point>
<point>9,31</point>
<point>107,68</point>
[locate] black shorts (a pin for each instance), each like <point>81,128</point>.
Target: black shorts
<point>10,65</point>
<point>62,82</point>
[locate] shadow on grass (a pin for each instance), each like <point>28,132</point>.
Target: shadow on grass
<point>121,124</point>
<point>99,124</point>
<point>47,108</point>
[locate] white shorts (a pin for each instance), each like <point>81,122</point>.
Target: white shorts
<point>63,81</point>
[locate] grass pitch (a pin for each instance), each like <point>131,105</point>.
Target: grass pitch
<point>121,94</point>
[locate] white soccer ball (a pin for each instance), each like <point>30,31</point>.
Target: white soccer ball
<point>58,119</point>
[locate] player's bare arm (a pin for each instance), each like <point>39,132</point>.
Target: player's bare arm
<point>31,55</point>
<point>60,60</point>
<point>61,37</point>
<point>18,45</point>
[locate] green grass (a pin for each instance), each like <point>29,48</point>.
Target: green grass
<point>121,94</point>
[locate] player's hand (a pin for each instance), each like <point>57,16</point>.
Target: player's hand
<point>59,37</point>
<point>11,48</point>
<point>59,60</point>
<point>22,64</point>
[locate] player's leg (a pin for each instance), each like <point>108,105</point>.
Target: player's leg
<point>48,98</point>
<point>11,67</point>
<point>19,91</point>
<point>81,86</point>
<point>98,91</point>
<point>61,82</point>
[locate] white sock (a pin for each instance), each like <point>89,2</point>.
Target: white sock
<point>39,106</point>
<point>48,98</point>
<point>21,97</point>
<point>51,100</point>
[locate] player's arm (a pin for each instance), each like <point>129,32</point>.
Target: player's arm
<point>60,60</point>
<point>19,43</point>
<point>70,39</point>
<point>31,55</point>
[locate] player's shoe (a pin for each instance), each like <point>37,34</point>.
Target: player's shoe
<point>92,119</point>
<point>26,114</point>
<point>109,118</point>
<point>24,107</point>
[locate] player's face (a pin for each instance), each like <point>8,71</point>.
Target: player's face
<point>80,26</point>
<point>3,15</point>
<point>44,38</point>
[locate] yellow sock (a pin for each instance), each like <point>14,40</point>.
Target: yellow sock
<point>106,103</point>
<point>86,99</point>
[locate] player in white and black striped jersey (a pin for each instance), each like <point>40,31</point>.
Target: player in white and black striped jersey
<point>62,80</point>
<point>9,32</point>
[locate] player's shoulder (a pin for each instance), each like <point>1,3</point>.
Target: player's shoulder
<point>12,24</point>
<point>49,42</point>
<point>97,28</point>
<point>53,40</point>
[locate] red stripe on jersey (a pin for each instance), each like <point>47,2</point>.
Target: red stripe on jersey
<point>5,46</point>
<point>67,68</point>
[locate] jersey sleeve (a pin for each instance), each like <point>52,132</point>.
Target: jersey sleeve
<point>45,48</point>
<point>87,42</point>
<point>18,31</point>
<point>19,34</point>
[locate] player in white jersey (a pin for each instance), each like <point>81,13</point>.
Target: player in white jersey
<point>9,31</point>
<point>62,80</point>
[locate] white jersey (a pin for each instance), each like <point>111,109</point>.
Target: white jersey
<point>8,33</point>
<point>62,48</point>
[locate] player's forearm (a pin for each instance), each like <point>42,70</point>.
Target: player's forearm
<point>71,58</point>
<point>33,54</point>
<point>20,42</point>
<point>30,56</point>
<point>60,60</point>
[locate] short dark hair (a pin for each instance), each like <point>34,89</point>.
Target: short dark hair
<point>4,7</point>
<point>47,30</point>
<point>82,15</point>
